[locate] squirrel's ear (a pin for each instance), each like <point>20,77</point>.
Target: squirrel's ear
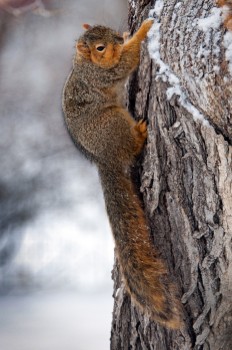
<point>86,26</point>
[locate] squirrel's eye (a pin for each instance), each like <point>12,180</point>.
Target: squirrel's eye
<point>100,48</point>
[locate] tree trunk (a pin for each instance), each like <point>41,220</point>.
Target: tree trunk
<point>185,92</point>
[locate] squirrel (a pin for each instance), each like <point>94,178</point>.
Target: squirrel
<point>228,12</point>
<point>108,135</point>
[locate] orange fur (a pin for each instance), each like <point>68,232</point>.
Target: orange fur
<point>228,18</point>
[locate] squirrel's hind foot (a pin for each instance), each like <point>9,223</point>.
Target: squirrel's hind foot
<point>140,129</point>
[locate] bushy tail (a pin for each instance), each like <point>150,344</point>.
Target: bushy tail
<point>145,275</point>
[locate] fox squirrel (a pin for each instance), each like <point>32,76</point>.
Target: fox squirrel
<point>228,17</point>
<point>107,134</point>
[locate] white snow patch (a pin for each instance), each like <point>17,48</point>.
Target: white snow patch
<point>228,46</point>
<point>173,90</point>
<point>178,5</point>
<point>216,69</point>
<point>176,90</point>
<point>159,7</point>
<point>132,3</point>
<point>165,72</point>
<point>213,21</point>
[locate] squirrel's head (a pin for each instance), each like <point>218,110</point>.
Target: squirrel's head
<point>100,45</point>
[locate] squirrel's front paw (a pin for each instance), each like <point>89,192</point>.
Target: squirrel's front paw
<point>145,27</point>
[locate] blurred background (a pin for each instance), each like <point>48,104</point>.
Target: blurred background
<point>56,249</point>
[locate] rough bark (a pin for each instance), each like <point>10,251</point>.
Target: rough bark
<point>186,181</point>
